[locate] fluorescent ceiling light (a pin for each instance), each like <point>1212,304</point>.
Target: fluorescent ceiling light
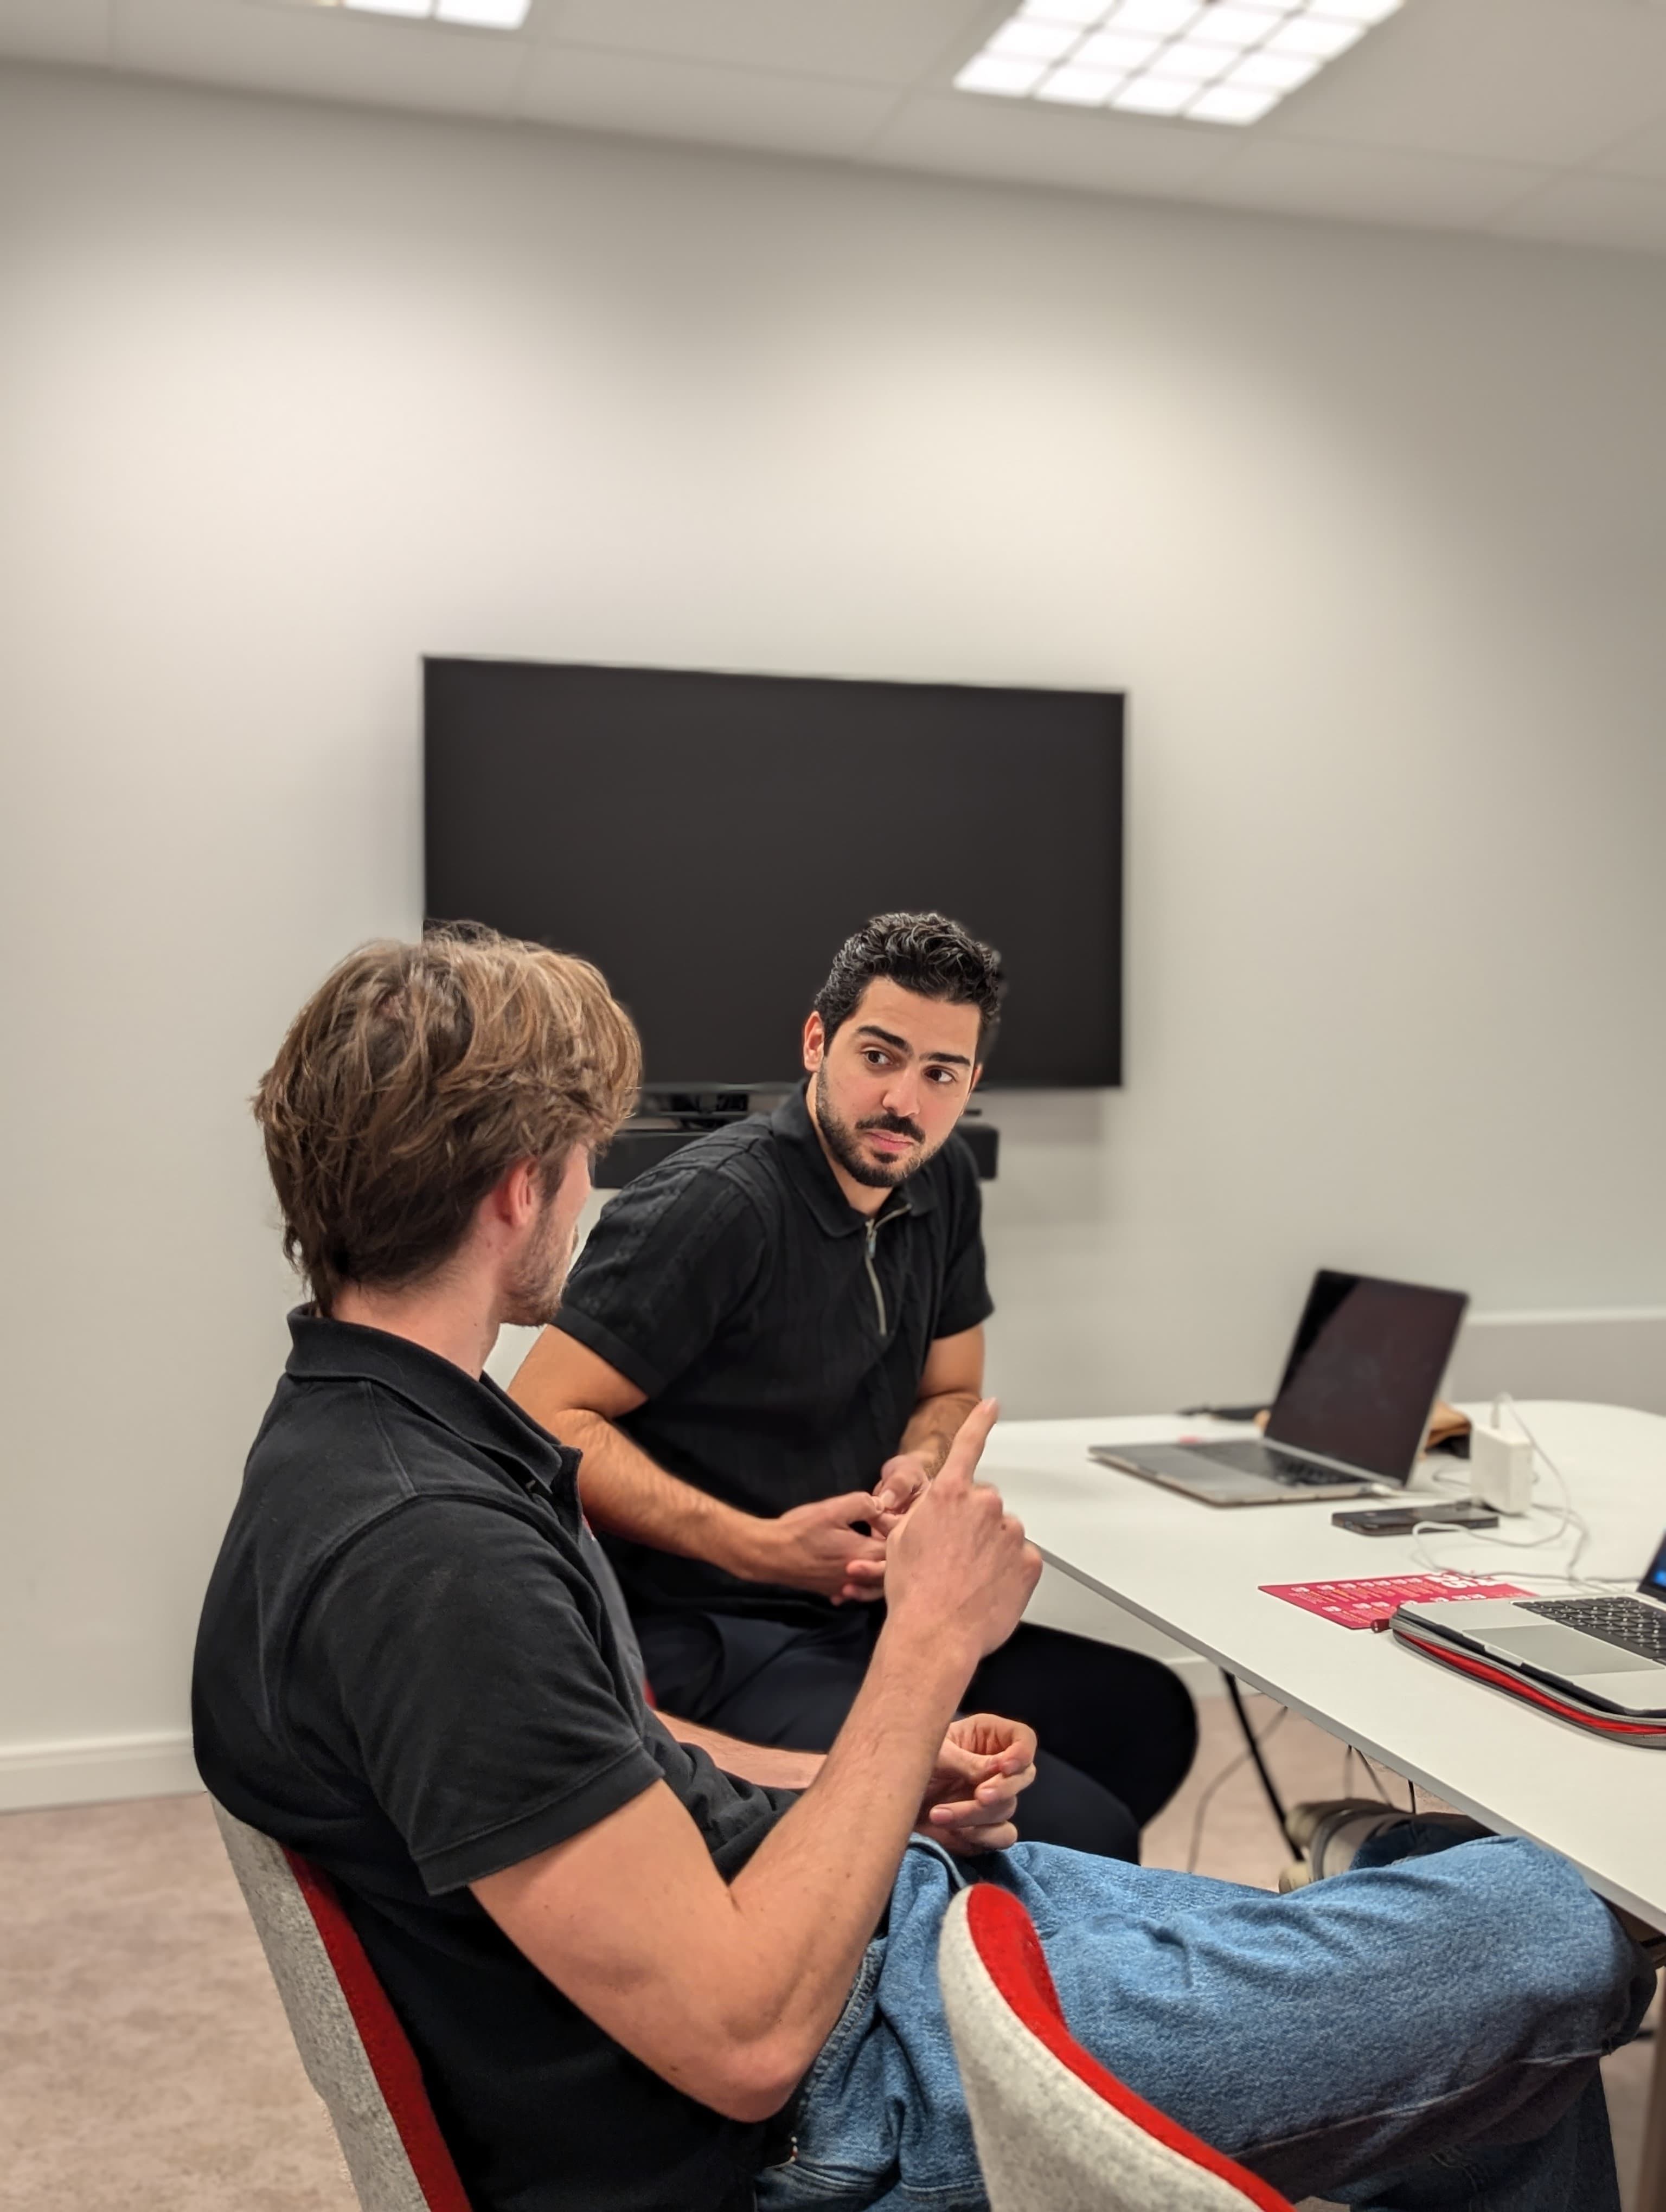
<point>1116,49</point>
<point>1314,34</point>
<point>473,15</point>
<point>1155,96</point>
<point>987,72</point>
<point>1212,61</point>
<point>1062,11</point>
<point>1275,73</point>
<point>1080,88</point>
<point>1229,25</point>
<point>1187,58</point>
<point>1231,103</point>
<point>1032,42</point>
<point>484,14</point>
<point>1163,16</point>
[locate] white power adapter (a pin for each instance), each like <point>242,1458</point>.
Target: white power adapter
<point>1500,1466</point>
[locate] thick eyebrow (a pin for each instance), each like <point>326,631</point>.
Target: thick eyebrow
<point>901,1044</point>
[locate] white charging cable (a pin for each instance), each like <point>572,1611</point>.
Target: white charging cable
<point>1567,1519</point>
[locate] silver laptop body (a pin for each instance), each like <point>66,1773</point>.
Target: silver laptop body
<point>1352,1411</point>
<point>1611,1650</point>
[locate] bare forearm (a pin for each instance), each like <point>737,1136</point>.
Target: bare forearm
<point>810,1897</point>
<point>728,1990</point>
<point>625,1493</point>
<point>933,1424</point>
<point>766,1764</point>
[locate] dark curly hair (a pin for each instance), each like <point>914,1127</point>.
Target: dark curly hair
<point>926,953</point>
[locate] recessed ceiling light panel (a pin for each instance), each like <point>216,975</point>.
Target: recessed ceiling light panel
<point>473,15</point>
<point>1211,61</point>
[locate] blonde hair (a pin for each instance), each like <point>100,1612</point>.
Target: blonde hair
<point>414,1078</point>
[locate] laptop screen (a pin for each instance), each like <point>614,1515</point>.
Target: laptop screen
<point>1364,1370</point>
<point>1653,1583</point>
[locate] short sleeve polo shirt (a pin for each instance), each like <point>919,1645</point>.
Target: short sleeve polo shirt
<point>408,1671</point>
<point>779,1336</point>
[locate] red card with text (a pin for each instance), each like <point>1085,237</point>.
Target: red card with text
<point>1368,1600</point>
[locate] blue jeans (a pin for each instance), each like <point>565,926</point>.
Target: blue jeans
<point>1421,2034</point>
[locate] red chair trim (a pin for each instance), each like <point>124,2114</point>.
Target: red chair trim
<point>1005,1939</point>
<point>387,2047</point>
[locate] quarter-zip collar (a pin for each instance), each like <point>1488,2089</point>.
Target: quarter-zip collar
<point>816,1183</point>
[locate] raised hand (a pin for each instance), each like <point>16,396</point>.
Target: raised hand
<point>956,1565</point>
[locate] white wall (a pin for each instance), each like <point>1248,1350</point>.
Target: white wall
<point>1368,525</point>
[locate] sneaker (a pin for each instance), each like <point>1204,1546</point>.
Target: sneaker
<point>1330,1832</point>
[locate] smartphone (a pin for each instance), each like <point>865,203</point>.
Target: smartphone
<point>1400,1519</point>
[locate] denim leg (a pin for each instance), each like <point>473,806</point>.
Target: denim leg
<point>1568,2169</point>
<point>1370,2026</point>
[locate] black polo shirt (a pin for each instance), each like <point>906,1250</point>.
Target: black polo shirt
<point>406,1670</point>
<point>778,1334</point>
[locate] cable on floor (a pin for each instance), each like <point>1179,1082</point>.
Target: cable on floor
<point>1377,1784</point>
<point>1254,1750</point>
<point>1226,1774</point>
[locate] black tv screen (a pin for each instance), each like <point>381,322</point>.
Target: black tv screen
<point>709,841</point>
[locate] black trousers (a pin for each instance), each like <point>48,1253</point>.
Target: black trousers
<point>1118,1730</point>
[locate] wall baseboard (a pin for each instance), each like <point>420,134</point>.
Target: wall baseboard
<point>96,1770</point>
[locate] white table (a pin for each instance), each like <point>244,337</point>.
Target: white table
<point>1194,1572</point>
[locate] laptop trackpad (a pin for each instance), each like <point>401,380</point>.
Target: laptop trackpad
<point>1564,1651</point>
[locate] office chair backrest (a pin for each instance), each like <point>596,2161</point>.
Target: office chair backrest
<point>1056,2131</point>
<point>356,2055</point>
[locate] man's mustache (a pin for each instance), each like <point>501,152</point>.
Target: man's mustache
<point>895,1126</point>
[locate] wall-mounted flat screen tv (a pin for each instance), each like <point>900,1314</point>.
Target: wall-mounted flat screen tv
<point>709,841</point>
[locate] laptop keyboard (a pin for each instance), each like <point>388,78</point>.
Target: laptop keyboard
<point>1625,1622</point>
<point>1282,1466</point>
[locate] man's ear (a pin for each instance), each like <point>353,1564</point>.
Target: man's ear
<point>517,1196</point>
<point>815,1043</point>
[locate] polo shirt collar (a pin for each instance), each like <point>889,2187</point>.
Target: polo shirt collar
<point>471,1408</point>
<point>814,1180</point>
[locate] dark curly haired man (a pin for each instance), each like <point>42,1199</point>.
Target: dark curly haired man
<point>765,1350</point>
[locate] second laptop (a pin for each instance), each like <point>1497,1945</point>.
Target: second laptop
<point>1352,1411</point>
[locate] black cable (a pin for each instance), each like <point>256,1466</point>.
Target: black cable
<point>1377,1779</point>
<point>1235,1695</point>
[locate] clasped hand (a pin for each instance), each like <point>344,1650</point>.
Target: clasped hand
<point>837,1544</point>
<point>983,1768</point>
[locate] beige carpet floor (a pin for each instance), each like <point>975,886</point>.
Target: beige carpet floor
<point>145,2062</point>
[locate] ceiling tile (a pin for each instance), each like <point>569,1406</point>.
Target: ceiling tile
<point>56,30</point>
<point>1592,210</point>
<point>1539,81</point>
<point>876,41</point>
<point>1642,154</point>
<point>666,99</point>
<point>1366,184</point>
<point>327,52</point>
<point>959,134</point>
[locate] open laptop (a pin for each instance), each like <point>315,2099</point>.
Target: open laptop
<point>1610,1651</point>
<point>1352,1411</point>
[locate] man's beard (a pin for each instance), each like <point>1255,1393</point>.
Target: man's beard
<point>842,1141</point>
<point>535,1292</point>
